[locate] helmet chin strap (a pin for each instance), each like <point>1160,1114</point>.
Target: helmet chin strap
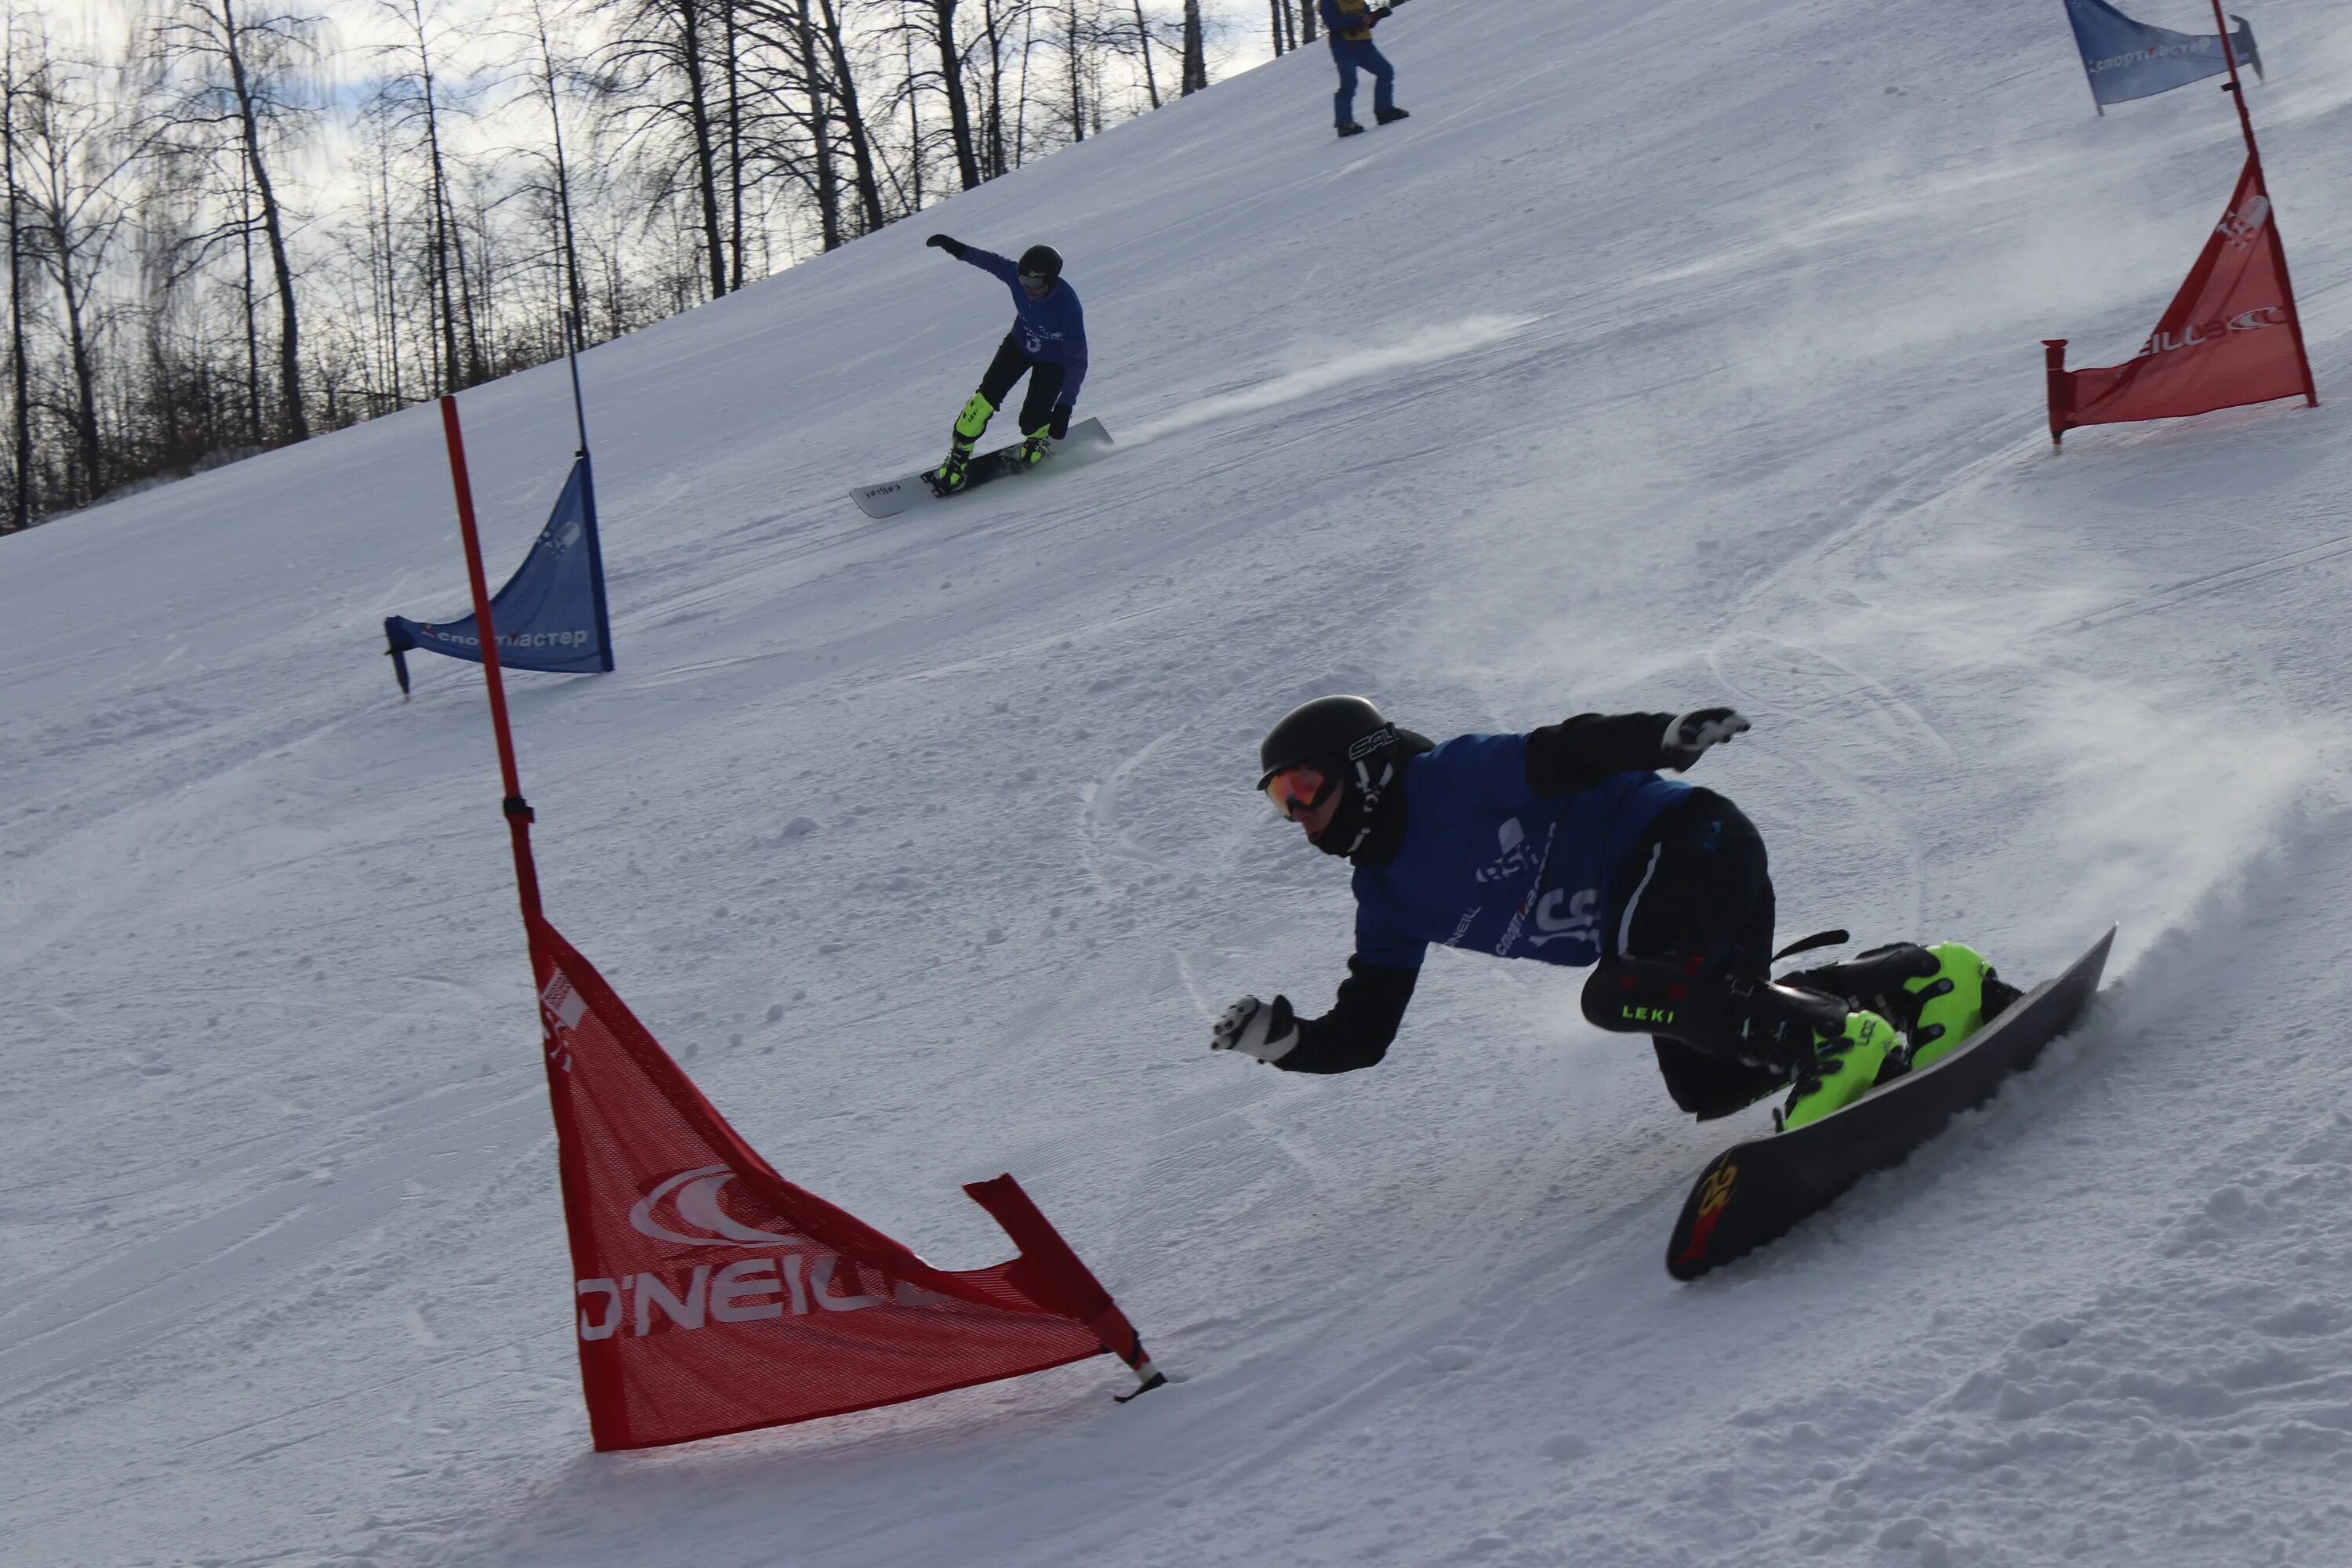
<point>1371,789</point>
<point>1372,795</point>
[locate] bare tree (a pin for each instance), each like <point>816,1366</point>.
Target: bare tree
<point>377,246</point>
<point>855,128</point>
<point>942,16</point>
<point>75,139</point>
<point>730,64</point>
<point>795,140</point>
<point>247,300</point>
<point>546,82</point>
<point>411,100</point>
<point>1144,51</point>
<point>21,488</point>
<point>916,147</point>
<point>245,63</point>
<point>1074,38</point>
<point>998,21</point>
<point>663,57</point>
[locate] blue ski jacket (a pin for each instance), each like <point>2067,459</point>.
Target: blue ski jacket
<point>1489,864</point>
<point>1053,328</point>
<point>1513,845</point>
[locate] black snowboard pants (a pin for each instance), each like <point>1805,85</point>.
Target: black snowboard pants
<point>1045,384</point>
<point>1700,887</point>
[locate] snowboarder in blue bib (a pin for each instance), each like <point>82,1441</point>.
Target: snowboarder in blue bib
<point>1565,845</point>
<point>1349,24</point>
<point>1048,343</point>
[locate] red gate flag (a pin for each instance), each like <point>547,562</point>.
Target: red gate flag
<point>2229,337</point>
<point>714,1296</point>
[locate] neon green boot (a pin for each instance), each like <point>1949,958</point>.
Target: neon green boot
<point>1844,1067</point>
<point>1939,997</point>
<point>948,477</point>
<point>1951,1005</point>
<point>1034,447</point>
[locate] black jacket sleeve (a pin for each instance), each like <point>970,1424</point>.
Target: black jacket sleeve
<point>1587,751</point>
<point>1358,1029</point>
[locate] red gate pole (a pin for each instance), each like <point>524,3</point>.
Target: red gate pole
<point>518,810</point>
<point>2054,367</point>
<point>2237,92</point>
<point>2236,88</point>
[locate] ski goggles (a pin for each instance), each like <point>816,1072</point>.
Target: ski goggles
<point>1036,282</point>
<point>1297,791</point>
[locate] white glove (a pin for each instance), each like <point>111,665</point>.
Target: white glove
<point>1262,1029</point>
<point>1695,731</point>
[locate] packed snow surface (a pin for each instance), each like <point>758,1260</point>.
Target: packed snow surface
<point>1670,354</point>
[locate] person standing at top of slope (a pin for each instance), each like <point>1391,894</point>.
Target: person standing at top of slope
<point>1048,343</point>
<point>1350,23</point>
<point>1564,845</point>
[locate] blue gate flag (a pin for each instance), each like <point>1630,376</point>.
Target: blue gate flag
<point>2127,60</point>
<point>551,613</point>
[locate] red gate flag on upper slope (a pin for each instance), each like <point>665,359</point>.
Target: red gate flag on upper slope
<point>714,1296</point>
<point>2231,336</point>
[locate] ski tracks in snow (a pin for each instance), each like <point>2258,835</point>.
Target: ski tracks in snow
<point>1429,345</point>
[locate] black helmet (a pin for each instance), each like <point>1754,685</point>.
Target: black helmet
<point>1330,732</point>
<point>1041,262</point>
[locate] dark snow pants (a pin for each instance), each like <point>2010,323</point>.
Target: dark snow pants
<point>1698,885</point>
<point>1044,376</point>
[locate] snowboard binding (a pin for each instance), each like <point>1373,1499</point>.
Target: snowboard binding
<point>1937,995</point>
<point>950,476</point>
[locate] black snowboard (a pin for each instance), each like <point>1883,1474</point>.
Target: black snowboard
<point>1001,464</point>
<point>892,497</point>
<point>1754,1193</point>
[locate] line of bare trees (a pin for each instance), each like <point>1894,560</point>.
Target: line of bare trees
<point>237,222</point>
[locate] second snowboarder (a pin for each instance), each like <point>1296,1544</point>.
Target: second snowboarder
<point>1048,343</point>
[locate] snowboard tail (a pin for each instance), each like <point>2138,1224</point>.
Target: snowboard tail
<point>1754,1193</point>
<point>892,497</point>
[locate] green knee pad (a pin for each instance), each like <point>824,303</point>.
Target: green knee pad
<point>974,418</point>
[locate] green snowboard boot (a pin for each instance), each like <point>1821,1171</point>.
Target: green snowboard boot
<point>1844,1067</point>
<point>1937,995</point>
<point>948,477</point>
<point>1951,1002</point>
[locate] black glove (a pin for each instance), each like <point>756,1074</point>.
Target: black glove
<point>954,248</point>
<point>1690,735</point>
<point>1061,425</point>
<point>1255,1028</point>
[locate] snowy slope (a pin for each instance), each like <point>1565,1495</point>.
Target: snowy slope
<point>1671,354</point>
